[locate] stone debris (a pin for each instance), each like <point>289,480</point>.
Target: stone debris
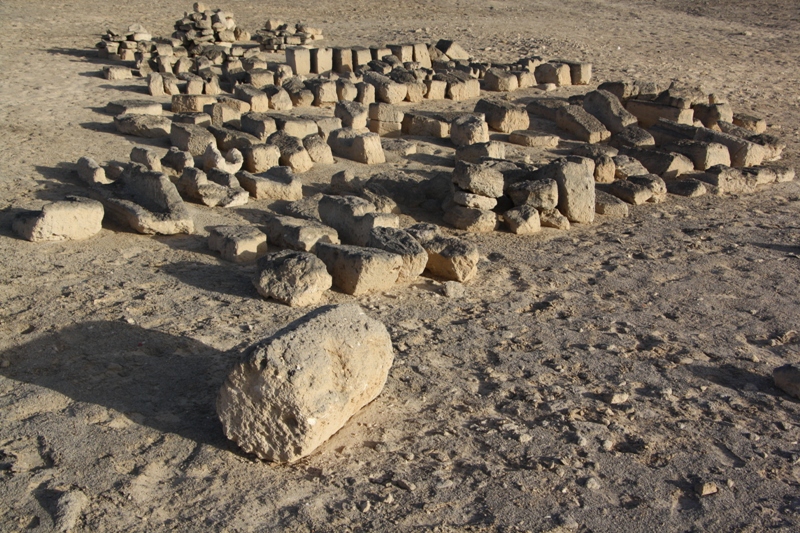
<point>238,244</point>
<point>147,157</point>
<point>295,278</point>
<point>503,116</point>
<point>469,129</point>
<point>294,390</point>
<point>609,205</point>
<point>357,146</point>
<point>448,257</point>
<point>194,184</point>
<point>523,220</point>
<point>74,218</point>
<point>358,270</point>
<point>401,243</point>
<point>148,126</point>
<point>91,173</point>
<point>277,183</point>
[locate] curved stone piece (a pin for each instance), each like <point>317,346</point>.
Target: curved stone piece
<point>294,390</point>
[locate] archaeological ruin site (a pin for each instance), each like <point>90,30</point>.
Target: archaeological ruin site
<point>460,266</point>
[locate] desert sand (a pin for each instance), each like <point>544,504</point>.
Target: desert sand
<point>495,416</point>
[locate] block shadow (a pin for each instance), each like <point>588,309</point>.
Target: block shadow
<point>227,278</point>
<point>162,381</point>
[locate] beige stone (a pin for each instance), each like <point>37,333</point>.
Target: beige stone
<point>75,218</point>
<point>238,244</point>
<point>295,278</point>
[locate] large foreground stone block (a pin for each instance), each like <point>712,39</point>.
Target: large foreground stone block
<point>358,270</point>
<point>297,388</point>
<point>73,219</point>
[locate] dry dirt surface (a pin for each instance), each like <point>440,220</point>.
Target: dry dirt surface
<point>496,414</point>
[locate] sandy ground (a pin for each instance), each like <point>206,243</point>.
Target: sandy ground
<point>493,418</point>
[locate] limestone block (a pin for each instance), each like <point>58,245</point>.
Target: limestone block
<point>553,219</point>
<point>625,166</point>
<point>500,80</point>
<point>575,178</point>
<point>321,60</point>
<point>703,155</point>
<point>452,49</point>
<point>475,201</point>
<point>238,244</point>
<point>148,126</point>
<point>91,173</point>
<point>470,219</point>
<point>401,243</point>
<point>668,165</point>
<point>607,108</point>
<point>585,127</point>
<point>277,183</point>
<point>688,187</point>
<point>352,114</point>
<point>279,99</point>
<point>342,59</point>
<point>299,59</point>
<point>261,157</point>
<point>191,138</point>
<point>609,205</point>
<point>366,93</point>
<point>318,150</point>
<point>523,220</point>
<point>194,184</point>
<point>324,91</point>
<point>743,152</point>
<point>357,270</point>
<point>426,125</point>
<point>556,73</point>
<point>229,138</point>
<point>134,107</point>
<point>230,162</point>
<point>346,90</point>
<point>541,194</point>
<point>654,183</point>
<point>117,73</point>
<point>749,122</point>
<point>293,154</point>
<point>503,116</point>
<point>260,77</point>
<point>450,257</point>
<point>361,147</point>
<point>145,156</point>
<point>475,153</point>
<point>579,73</point>
<point>533,139</point>
<point>648,113</point>
<point>177,159</point>
<point>630,191</point>
<point>728,180</point>
<point>436,89</point>
<point>421,55</point>
<point>258,99</point>
<point>298,233</point>
<point>469,129</point>
<point>478,179</point>
<point>632,137</point>
<point>296,389</point>
<point>75,218</point>
<point>295,278</point>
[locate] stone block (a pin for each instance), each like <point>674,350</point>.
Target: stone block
<point>728,180</point>
<point>277,183</point>
<point>533,139</point>
<point>134,107</point>
<point>452,49</point>
<point>366,93</point>
<point>459,87</point>
<point>324,91</point>
<point>194,184</point>
<point>386,90</point>
<point>703,155</point>
<point>450,257</point>
<point>625,166</point>
<point>295,278</point>
<point>421,55</point>
<point>293,154</point>
<point>298,233</point>
<point>436,89</point>
<point>500,80</point>
<point>575,178</point>
<point>579,73</point>
<point>279,99</point>
<point>475,153</point>
<point>682,96</point>
<point>426,125</point>
<point>115,73</point>
<point>648,113</point>
<point>75,218</point>
<point>296,389</point>
<point>546,107</point>
<point>321,60</point>
<point>654,183</point>
<point>230,162</point>
<point>238,244</point>
<point>469,129</point>
<point>585,127</point>
<point>609,205</point>
<point>145,156</point>
<point>469,219</point>
<point>478,179</point>
<point>712,114</point>
<point>356,146</point>
<point>632,137</point>
<point>352,114</point>
<point>318,150</point>
<point>229,138</point>
<point>523,220</point>
<point>688,187</point>
<point>299,59</point>
<point>607,108</point>
<point>556,73</point>
<point>261,157</point>
<point>177,159</point>
<point>503,116</point>
<point>743,152</point>
<point>401,243</point>
<point>553,219</point>
<point>630,191</point>
<point>749,122</point>
<point>258,99</point>
<point>357,270</point>
<point>541,194</point>
<point>260,77</point>
<point>346,90</point>
<point>191,138</point>
<point>91,173</point>
<point>342,59</point>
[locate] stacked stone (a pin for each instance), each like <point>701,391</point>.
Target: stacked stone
<point>122,46</point>
<point>474,193</point>
<point>277,35</point>
<point>205,26</point>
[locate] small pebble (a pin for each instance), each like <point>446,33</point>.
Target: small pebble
<point>454,289</point>
<point>405,485</point>
<point>593,483</point>
<point>616,398</point>
<point>705,488</point>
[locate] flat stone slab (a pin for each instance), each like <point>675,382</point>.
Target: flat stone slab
<point>75,218</point>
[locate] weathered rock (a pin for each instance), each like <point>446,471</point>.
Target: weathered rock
<point>238,244</point>
<point>625,166</point>
<point>478,179</point>
<point>469,129</point>
<point>401,243</point>
<point>352,114</point>
<point>475,201</point>
<point>307,208</point>
<point>604,169</point>
<point>546,107</point>
<point>585,127</point>
<point>609,205</point>
<point>298,233</point>
<point>553,219</point>
<point>475,153</point>
<point>556,73</point>
<point>541,194</point>
<point>787,378</point>
<point>469,219</point>
<point>91,173</point>
<point>75,218</point>
<point>231,162</point>
<point>147,157</point>
<point>295,278</point>
<point>668,165</point>
<point>534,139</point>
<point>318,150</point>
<point>743,152</point>
<point>503,116</point>
<point>191,138</point>
<point>749,122</point>
<point>452,49</point>
<point>261,157</point>
<point>688,187</point>
<point>654,183</point>
<point>422,231</point>
<point>194,184</point>
<point>148,126</point>
<point>450,257</point>
<point>277,183</point>
<point>500,80</point>
<point>631,192</point>
<point>134,107</point>
<point>702,154</point>
<point>648,113</point>
<point>293,154</point>
<point>609,110</point>
<point>356,146</point>
<point>191,103</point>
<point>259,125</point>
<point>296,389</point>
<point>523,220</point>
<point>682,96</point>
<point>258,99</point>
<point>575,178</point>
<point>357,270</point>
<point>728,180</point>
<point>712,114</point>
<point>632,137</point>
<point>177,159</point>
